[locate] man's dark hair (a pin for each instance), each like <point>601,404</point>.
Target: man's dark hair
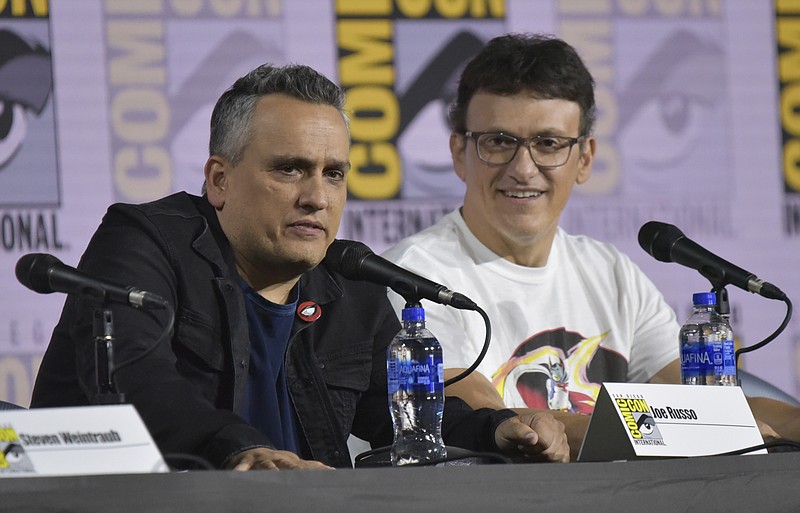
<point>230,121</point>
<point>544,65</point>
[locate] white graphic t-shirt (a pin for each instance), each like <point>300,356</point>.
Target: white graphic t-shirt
<point>589,316</point>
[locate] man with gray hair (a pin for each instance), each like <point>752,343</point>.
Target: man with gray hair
<point>275,358</point>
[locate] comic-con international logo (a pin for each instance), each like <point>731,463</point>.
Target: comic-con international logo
<point>639,420</point>
<point>12,454</point>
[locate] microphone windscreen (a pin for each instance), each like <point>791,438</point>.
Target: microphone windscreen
<point>658,238</point>
<point>345,257</point>
<point>33,271</point>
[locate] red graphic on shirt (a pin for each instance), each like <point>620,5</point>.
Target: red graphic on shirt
<point>549,370</point>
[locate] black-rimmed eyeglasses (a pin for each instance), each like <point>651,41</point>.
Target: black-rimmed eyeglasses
<point>545,150</point>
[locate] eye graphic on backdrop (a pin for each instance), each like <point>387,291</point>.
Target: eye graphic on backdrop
<point>665,130</point>
<point>13,128</point>
<point>424,131</point>
<point>669,109</point>
<point>25,84</point>
<point>192,99</point>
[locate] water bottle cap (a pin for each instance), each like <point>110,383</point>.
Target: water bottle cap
<point>413,314</point>
<point>704,298</point>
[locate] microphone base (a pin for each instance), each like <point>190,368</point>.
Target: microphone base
<point>464,457</point>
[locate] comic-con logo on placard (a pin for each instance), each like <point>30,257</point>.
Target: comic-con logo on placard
<point>639,421</point>
<point>28,155</point>
<point>12,454</point>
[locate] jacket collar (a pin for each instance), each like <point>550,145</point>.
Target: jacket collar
<point>212,244</point>
<point>320,286</point>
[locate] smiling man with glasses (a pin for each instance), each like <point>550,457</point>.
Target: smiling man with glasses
<point>568,313</point>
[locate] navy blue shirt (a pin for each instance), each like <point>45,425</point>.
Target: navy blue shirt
<point>267,404</point>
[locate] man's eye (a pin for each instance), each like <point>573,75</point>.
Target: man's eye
<point>335,174</point>
<point>549,144</point>
<point>499,141</point>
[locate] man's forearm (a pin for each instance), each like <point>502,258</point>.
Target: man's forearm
<point>782,417</point>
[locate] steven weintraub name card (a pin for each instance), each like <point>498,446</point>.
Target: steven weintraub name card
<point>72,441</point>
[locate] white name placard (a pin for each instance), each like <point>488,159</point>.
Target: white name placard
<point>634,420</point>
<point>72,441</point>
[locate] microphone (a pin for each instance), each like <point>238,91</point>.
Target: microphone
<point>46,274</point>
<point>667,243</point>
<point>356,261</point>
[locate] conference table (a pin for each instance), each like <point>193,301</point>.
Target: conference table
<point>762,483</point>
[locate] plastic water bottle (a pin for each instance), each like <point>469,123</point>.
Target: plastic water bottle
<point>416,391</point>
<point>706,345</point>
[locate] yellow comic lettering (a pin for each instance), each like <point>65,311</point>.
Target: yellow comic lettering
<point>364,181</point>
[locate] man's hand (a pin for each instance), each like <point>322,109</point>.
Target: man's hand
<point>538,436</point>
<point>271,459</point>
<point>478,392</point>
<point>767,433</point>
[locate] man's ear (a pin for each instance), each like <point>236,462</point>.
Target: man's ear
<point>216,172</point>
<point>458,146</point>
<point>586,159</point>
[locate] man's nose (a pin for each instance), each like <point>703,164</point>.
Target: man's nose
<point>314,195</point>
<point>522,167</point>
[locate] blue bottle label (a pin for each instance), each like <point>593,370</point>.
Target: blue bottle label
<point>722,360</point>
<point>413,376</point>
<point>728,358</point>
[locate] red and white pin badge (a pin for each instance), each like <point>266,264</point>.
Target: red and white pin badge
<point>309,311</point>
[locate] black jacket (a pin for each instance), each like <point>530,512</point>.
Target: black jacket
<point>186,384</point>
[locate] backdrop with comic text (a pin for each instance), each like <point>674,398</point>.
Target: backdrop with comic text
<point>699,125</point>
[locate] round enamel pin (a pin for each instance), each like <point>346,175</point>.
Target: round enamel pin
<point>309,311</point>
